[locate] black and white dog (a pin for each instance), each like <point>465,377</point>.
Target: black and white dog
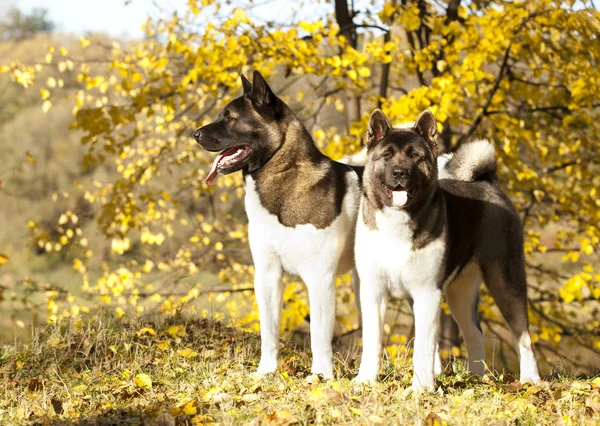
<point>421,234</point>
<point>302,209</point>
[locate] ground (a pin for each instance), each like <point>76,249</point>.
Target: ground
<point>199,372</point>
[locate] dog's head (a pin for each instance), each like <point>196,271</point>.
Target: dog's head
<point>247,132</point>
<point>401,164</point>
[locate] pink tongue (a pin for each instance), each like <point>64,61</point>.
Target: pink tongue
<point>399,198</point>
<point>213,171</point>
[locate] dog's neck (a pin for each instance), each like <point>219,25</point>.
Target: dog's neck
<point>297,150</point>
<point>421,222</point>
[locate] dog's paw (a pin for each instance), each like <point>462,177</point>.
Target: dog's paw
<point>262,372</point>
<point>419,388</point>
<point>533,379</point>
<point>315,378</point>
<point>364,379</point>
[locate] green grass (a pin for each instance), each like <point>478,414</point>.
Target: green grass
<point>93,373</point>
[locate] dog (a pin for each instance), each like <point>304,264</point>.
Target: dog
<point>302,209</point>
<point>421,232</point>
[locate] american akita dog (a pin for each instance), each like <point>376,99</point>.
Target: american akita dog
<point>301,206</point>
<point>419,234</point>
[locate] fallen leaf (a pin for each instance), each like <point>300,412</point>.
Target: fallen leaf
<point>355,411</point>
<point>142,380</point>
<point>57,405</point>
<point>146,330</point>
<point>30,158</point>
<point>35,384</point>
<point>513,387</point>
<point>190,408</point>
<point>163,345</point>
<point>375,419</point>
<point>187,353</point>
<point>3,259</point>
<point>177,330</point>
<point>433,419</point>
<point>250,397</point>
<point>280,418</point>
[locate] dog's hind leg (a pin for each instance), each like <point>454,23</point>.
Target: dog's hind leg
<point>356,290</point>
<point>508,286</point>
<point>462,296</point>
<point>321,295</point>
<point>437,366</point>
<point>268,290</point>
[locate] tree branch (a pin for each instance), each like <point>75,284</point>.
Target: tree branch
<point>484,110</point>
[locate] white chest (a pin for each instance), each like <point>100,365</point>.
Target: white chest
<point>388,254</point>
<point>302,248</point>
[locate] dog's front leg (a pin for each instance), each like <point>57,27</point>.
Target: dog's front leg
<point>321,295</point>
<point>427,312</point>
<point>269,293</point>
<point>373,299</point>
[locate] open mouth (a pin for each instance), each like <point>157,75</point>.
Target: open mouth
<point>228,161</point>
<point>399,196</point>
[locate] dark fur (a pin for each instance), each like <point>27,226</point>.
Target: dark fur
<point>481,223</point>
<point>294,180</point>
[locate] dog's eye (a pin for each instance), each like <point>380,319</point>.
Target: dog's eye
<point>387,155</point>
<point>413,154</point>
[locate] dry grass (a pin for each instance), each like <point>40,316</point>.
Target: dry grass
<point>200,373</point>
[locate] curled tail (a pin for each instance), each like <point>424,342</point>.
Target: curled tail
<point>358,159</point>
<point>472,162</point>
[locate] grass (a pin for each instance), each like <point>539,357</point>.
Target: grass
<point>198,372</point>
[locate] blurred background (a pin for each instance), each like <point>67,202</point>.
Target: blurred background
<point>103,206</point>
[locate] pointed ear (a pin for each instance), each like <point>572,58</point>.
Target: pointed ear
<point>261,93</point>
<point>246,84</point>
<point>426,126</point>
<point>379,126</point>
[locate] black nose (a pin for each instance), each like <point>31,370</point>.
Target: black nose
<point>197,134</point>
<point>400,172</point>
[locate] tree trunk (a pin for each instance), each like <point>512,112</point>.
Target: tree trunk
<point>348,30</point>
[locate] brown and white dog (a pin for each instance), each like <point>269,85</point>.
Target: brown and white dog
<point>420,234</point>
<point>301,206</point>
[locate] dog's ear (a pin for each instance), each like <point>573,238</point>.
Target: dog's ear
<point>261,93</point>
<point>426,126</point>
<point>246,84</point>
<point>379,126</point>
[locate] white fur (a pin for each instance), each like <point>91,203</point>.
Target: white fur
<point>442,162</point>
<point>387,264</point>
<point>470,156</point>
<point>528,365</point>
<point>316,255</point>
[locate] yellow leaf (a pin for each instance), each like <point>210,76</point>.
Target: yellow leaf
<point>46,106</point>
<point>30,158</point>
<point>84,42</point>
<point>364,72</point>
<point>316,394</point>
<point>142,380</point>
<point>187,353</point>
<point>146,330</point>
<point>163,345</point>
<point>355,411</point>
<point>3,259</point>
<point>45,93</point>
<point>190,408</point>
<point>177,330</point>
